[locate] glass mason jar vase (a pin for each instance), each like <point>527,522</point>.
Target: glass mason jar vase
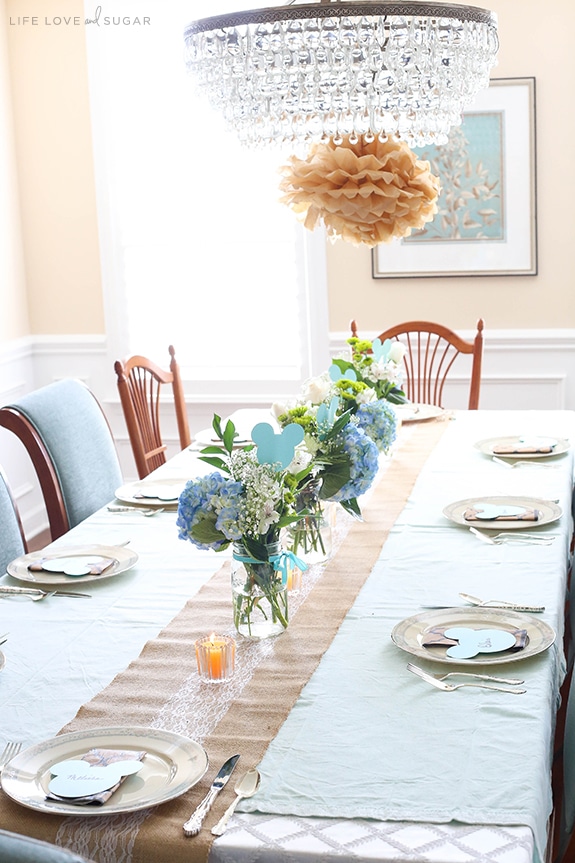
<point>259,593</point>
<point>310,537</point>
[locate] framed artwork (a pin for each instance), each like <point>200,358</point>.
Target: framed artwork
<point>486,224</point>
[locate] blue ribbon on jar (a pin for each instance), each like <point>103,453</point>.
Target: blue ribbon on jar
<point>281,562</point>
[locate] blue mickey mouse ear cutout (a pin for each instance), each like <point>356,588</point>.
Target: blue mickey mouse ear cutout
<point>275,448</point>
<point>381,350</point>
<point>326,415</point>
<point>336,374</point>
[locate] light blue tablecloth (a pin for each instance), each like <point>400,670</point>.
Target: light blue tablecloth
<point>367,739</point>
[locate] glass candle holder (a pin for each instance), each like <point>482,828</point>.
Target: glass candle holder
<point>216,656</point>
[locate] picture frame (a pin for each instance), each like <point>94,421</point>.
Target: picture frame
<point>486,224</point>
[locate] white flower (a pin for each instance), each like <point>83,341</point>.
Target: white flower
<point>268,516</point>
<point>316,390</point>
<point>278,409</point>
<point>300,461</point>
<point>365,396</point>
<point>396,352</point>
<point>378,371</point>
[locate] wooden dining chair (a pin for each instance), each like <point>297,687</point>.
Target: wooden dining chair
<point>12,540</point>
<point>431,351</point>
<point>140,383</point>
<point>69,441</point>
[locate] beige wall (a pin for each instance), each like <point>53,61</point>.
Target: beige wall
<point>55,167</point>
<point>60,238</point>
<point>545,300</point>
<point>13,305</point>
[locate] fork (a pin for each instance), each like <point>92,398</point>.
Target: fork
<point>511,681</point>
<point>10,750</point>
<point>451,687</point>
<point>36,594</point>
<point>500,603</point>
<point>147,513</point>
<point>502,538</point>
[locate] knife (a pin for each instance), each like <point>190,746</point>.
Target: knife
<point>34,591</point>
<point>193,825</point>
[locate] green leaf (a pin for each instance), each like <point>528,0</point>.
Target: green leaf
<point>205,531</point>
<point>217,426</point>
<point>334,477</point>
<point>215,462</point>
<point>286,520</point>
<point>255,549</point>
<point>212,450</point>
<point>229,435</point>
<point>352,507</point>
<point>338,425</point>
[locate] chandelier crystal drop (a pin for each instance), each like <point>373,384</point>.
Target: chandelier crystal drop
<point>319,72</point>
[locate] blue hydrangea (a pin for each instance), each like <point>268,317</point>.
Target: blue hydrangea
<point>213,498</point>
<point>364,462</point>
<point>379,421</point>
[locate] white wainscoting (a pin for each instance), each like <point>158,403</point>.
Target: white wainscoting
<point>521,369</point>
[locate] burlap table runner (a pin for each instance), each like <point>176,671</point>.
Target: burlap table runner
<point>152,690</point>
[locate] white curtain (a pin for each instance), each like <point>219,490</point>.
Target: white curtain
<point>196,248</point>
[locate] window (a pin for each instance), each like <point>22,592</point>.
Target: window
<point>196,248</point>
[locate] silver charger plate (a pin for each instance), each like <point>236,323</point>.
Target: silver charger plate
<point>122,559</point>
<point>550,512</point>
<point>410,633</point>
<point>486,446</point>
<point>172,765</point>
<point>152,493</point>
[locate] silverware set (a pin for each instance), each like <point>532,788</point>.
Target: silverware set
<point>440,681</point>
<point>146,512</point>
<point>246,787</point>
<point>510,537</point>
<point>35,593</point>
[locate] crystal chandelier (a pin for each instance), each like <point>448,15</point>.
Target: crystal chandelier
<point>315,72</point>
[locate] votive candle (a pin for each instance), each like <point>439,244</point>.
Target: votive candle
<point>216,656</point>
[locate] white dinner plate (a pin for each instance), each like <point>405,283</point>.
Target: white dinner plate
<point>486,446</point>
<point>550,512</point>
<point>414,413</point>
<point>122,558</point>
<point>172,765</point>
<point>152,492</point>
<point>410,634</point>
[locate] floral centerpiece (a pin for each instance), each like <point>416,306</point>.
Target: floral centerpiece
<point>247,502</point>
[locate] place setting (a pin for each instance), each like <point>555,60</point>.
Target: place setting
<point>522,449</point>
<point>77,563</point>
<point>151,493</point>
<point>486,634</point>
<point>411,412</point>
<point>104,771</point>
<point>503,512</point>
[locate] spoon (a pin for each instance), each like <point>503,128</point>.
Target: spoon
<point>246,787</point>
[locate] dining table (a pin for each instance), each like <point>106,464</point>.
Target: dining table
<point>359,758</point>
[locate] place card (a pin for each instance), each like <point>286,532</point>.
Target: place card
<point>470,642</point>
<point>73,566</point>
<point>94,777</point>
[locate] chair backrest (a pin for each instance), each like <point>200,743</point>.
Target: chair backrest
<point>71,447</point>
<point>15,848</point>
<point>431,350</point>
<point>139,383</point>
<point>12,541</point>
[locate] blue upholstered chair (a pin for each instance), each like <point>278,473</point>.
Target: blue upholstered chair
<point>12,542</point>
<point>68,438</point>
<point>15,848</point>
